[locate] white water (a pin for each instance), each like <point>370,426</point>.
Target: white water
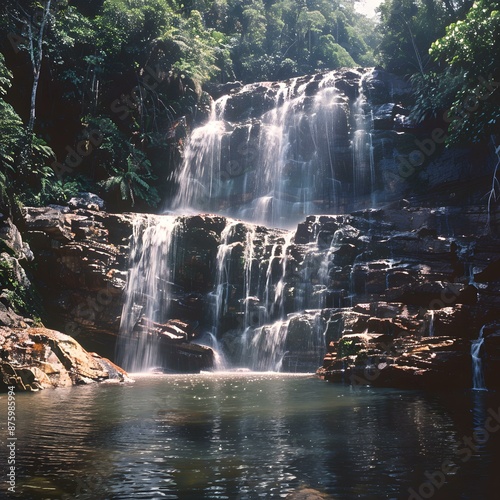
<point>295,159</point>
<point>222,274</point>
<point>280,289</point>
<point>279,169</point>
<point>477,363</point>
<point>210,340</point>
<point>199,177</point>
<point>149,291</point>
<point>431,323</point>
<point>266,347</point>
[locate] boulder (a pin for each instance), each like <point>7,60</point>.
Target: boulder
<point>89,201</point>
<point>39,358</point>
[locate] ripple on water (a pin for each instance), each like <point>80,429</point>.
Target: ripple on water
<point>228,435</point>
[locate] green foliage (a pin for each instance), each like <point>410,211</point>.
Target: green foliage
<point>451,50</point>
<point>467,40</point>
<point>331,55</point>
<point>11,130</point>
<point>5,77</point>
<point>347,347</point>
<point>408,27</point>
<point>21,297</point>
<point>55,191</point>
<point>133,181</point>
<point>269,32</point>
<point>434,92</point>
<point>471,51</point>
<point>11,126</point>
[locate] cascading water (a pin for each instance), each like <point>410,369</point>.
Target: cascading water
<point>431,323</point>
<point>298,147</point>
<point>477,363</point>
<point>199,177</point>
<point>279,292</point>
<point>266,346</point>
<point>292,158</point>
<point>148,293</point>
<point>210,340</point>
<point>222,273</point>
<point>362,147</point>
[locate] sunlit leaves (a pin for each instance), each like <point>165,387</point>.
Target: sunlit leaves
<point>472,47</point>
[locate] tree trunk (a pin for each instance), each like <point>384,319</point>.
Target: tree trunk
<point>36,56</point>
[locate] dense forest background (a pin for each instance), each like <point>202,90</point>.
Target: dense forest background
<point>99,94</point>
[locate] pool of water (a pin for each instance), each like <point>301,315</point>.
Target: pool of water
<point>251,435</point>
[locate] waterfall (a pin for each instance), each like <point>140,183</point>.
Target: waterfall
<point>362,147</point>
<point>199,177</point>
<point>271,153</point>
<point>248,257</point>
<point>286,160</point>
<point>148,293</point>
<point>210,340</point>
<point>266,347</point>
<point>279,293</point>
<point>222,275</point>
<point>431,323</point>
<point>477,363</point>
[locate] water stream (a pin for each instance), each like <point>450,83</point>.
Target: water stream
<point>477,363</point>
<point>149,291</point>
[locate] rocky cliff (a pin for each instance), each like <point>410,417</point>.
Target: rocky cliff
<point>33,357</point>
<point>394,296</point>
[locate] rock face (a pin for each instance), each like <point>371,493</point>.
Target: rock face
<point>38,358</point>
<point>32,357</point>
<point>81,270</point>
<point>82,263</point>
<point>394,296</point>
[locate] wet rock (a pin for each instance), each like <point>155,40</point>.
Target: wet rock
<point>51,221</point>
<point>383,87</point>
<point>217,90</point>
<point>10,239</point>
<point>383,116</point>
<point>434,294</point>
<point>188,358</point>
<point>407,362</point>
<point>345,321</point>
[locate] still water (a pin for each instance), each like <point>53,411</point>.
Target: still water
<point>243,436</point>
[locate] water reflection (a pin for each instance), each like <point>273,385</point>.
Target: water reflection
<point>246,436</point>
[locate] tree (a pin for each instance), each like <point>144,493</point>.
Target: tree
<point>331,54</point>
<point>408,28</point>
<point>11,125</point>
<point>33,20</point>
<point>471,49</point>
